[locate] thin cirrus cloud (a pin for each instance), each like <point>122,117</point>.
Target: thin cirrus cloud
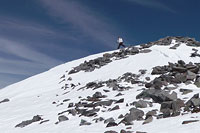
<point>81,19</point>
<point>22,61</point>
<point>153,4</point>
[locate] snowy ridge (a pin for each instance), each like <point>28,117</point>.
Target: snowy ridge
<point>85,96</point>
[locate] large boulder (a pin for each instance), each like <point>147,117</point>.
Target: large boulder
<point>158,96</point>
<point>135,114</point>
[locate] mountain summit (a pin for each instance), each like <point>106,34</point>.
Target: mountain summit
<point>149,88</point>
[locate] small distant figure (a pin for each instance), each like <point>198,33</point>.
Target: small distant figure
<point>120,42</point>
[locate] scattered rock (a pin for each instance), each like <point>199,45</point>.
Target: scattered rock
<point>28,122</point>
<point>111,124</point>
<point>109,120</point>
<point>148,120</point>
<point>111,131</point>
<point>5,100</point>
<point>62,118</point>
<point>84,122</point>
<point>189,121</point>
<point>185,91</point>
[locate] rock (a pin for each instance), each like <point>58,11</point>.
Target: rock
<point>151,113</point>
<point>135,114</point>
<point>158,70</point>
<point>193,102</point>
<point>115,108</point>
<point>120,101</point>
<point>97,95</point>
<point>70,105</point>
<point>28,122</point>
<point>120,116</point>
<point>191,75</point>
<point>123,131</point>
<point>44,121</point>
<point>197,82</point>
<point>148,120</point>
<point>84,122</point>
<point>185,91</point>
<point>111,124</point>
<point>145,51</point>
<point>171,108</point>
<point>147,78</point>
<point>98,119</point>
<point>111,131</point>
<point>142,71</point>
<point>179,69</point>
<point>140,104</point>
<point>109,120</point>
<point>62,118</point>
<point>5,100</point>
<point>181,77</point>
<point>65,100</point>
<point>104,103</point>
<point>189,121</point>
<point>90,113</point>
<point>166,113</point>
<point>158,96</point>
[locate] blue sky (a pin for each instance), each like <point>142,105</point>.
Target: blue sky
<point>36,35</point>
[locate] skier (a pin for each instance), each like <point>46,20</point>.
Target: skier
<point>120,42</point>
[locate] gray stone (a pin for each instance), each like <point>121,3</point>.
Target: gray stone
<point>28,122</point>
<point>158,96</point>
<point>148,120</point>
<point>109,120</point>
<point>185,91</point>
<point>84,122</point>
<point>111,131</point>
<point>111,124</point>
<point>5,100</point>
<point>115,108</point>
<point>191,75</point>
<point>62,118</point>
<point>140,104</point>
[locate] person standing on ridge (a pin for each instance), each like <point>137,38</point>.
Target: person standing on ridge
<point>120,42</point>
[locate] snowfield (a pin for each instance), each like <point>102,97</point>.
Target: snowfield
<point>43,95</point>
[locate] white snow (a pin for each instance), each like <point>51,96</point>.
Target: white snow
<point>34,96</point>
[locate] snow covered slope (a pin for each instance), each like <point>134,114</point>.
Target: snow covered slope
<point>134,89</point>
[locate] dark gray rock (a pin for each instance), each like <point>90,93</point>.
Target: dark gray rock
<point>28,122</point>
<point>148,120</point>
<point>98,119</point>
<point>140,104</point>
<point>189,121</point>
<point>197,82</point>
<point>135,114</point>
<point>111,124</point>
<point>84,122</point>
<point>145,51</point>
<point>159,70</point>
<point>191,75</point>
<point>97,95</point>
<point>62,118</point>
<point>120,101</point>
<point>5,100</point>
<point>104,103</point>
<point>115,108</point>
<point>111,131</point>
<point>185,91</point>
<point>158,96</point>
<point>109,120</point>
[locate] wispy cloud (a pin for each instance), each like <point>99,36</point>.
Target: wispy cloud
<point>80,18</point>
<point>153,4</point>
